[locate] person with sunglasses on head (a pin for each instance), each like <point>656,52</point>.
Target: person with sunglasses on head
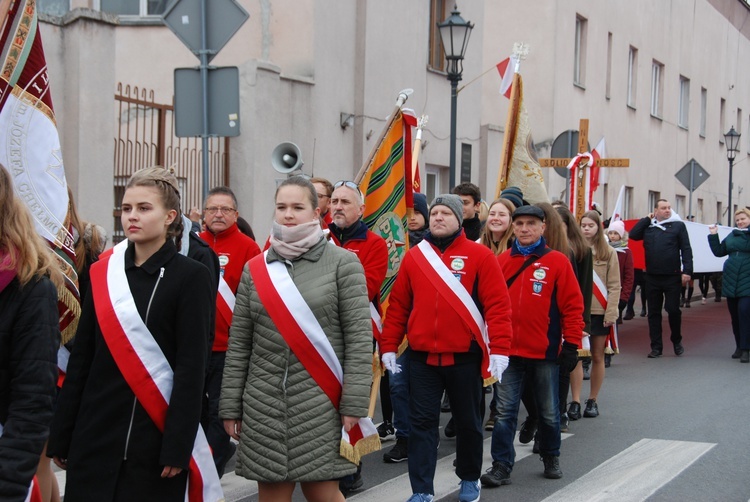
<point>348,231</point>
<point>234,250</point>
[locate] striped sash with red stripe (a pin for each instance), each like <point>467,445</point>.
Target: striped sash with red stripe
<point>452,291</point>
<point>144,366</point>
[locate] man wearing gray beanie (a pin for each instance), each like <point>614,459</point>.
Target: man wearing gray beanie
<point>451,294</point>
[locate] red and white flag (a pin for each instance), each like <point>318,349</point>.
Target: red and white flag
<point>617,212</point>
<point>506,68</point>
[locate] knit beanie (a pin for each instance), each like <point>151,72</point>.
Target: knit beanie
<point>453,202</point>
<point>617,226</point>
<point>513,194</point>
<point>420,206</point>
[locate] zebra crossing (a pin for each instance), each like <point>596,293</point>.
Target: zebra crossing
<point>634,474</point>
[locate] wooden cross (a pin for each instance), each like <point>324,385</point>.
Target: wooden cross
<point>583,133</point>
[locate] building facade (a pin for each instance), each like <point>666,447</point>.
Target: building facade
<point>661,81</point>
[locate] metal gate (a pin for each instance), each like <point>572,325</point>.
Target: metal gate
<point>146,138</point>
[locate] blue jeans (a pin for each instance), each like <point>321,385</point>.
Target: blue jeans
<point>400,395</point>
<point>543,377</point>
<point>463,383</point>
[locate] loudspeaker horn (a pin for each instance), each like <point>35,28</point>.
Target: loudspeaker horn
<point>286,158</point>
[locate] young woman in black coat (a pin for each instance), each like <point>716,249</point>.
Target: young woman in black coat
<point>102,434</point>
<point>29,338</point>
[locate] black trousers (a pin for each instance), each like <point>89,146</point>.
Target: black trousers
<point>463,383</point>
<point>663,291</point>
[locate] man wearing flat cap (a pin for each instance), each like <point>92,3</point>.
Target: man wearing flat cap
<point>547,310</point>
<point>451,300</point>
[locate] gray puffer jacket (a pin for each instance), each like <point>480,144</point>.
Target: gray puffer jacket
<point>290,429</point>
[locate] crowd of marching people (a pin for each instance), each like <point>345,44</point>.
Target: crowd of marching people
<point>194,346</point>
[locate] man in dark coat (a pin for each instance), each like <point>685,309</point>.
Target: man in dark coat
<point>669,266</point>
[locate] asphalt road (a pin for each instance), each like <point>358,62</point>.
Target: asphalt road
<point>670,429</point>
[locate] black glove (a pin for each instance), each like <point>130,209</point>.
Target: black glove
<point>622,304</point>
<point>568,358</point>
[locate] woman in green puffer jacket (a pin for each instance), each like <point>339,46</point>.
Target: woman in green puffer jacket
<point>289,429</point>
<point>736,281</point>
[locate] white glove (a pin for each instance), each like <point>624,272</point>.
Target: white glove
<point>498,364</point>
<point>389,361</point>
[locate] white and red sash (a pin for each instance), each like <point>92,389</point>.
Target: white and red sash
<point>225,301</point>
<point>600,293</point>
<point>301,330</point>
<point>34,494</point>
<point>63,356</point>
<point>451,289</point>
<point>144,366</point>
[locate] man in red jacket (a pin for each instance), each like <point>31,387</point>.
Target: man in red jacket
<point>451,300</point>
<point>234,250</point>
<point>350,232</point>
<point>547,315</point>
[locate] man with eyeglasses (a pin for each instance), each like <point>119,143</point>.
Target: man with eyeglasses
<point>234,249</point>
<point>350,232</point>
<point>324,188</point>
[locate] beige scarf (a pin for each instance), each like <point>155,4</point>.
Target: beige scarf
<point>293,242</point>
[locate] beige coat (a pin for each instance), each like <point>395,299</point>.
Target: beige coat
<point>608,270</point>
<point>290,429</point>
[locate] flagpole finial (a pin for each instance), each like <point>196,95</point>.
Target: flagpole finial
<point>520,51</point>
<point>403,96</point>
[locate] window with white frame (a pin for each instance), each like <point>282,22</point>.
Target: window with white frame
<point>433,181</point>
<point>683,111</point>
<point>704,102</point>
<point>134,7</point>
<point>699,219</point>
<point>627,203</point>
<point>608,84</point>
<point>719,211</point>
<point>436,56</point>
<point>679,206</point>
<point>722,120</point>
<point>738,127</point>
<point>653,196</point>
<point>632,75</point>
<point>579,62</point>
<point>657,88</point>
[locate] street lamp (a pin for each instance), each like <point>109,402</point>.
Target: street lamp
<point>732,140</point>
<point>454,34</point>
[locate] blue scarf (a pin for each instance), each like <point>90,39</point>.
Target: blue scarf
<point>527,250</point>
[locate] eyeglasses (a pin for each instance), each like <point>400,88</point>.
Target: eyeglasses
<point>223,210</point>
<point>349,184</point>
<point>321,195</point>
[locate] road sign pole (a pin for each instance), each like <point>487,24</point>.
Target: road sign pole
<point>204,81</point>
<point>692,187</point>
